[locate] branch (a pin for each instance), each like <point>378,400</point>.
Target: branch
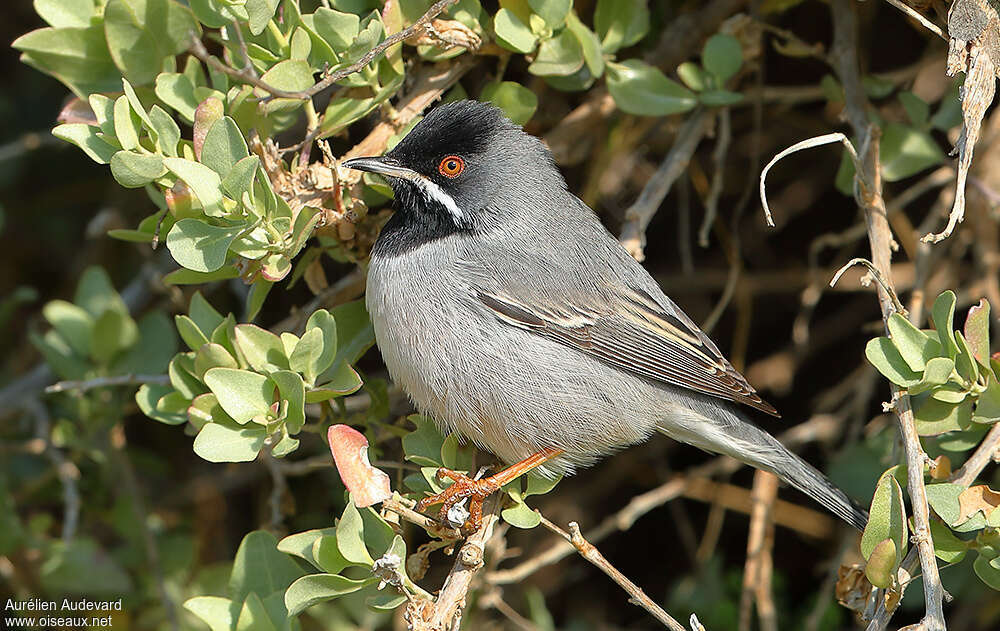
<point>639,214</point>
<point>757,573</point>
<point>197,49</point>
<point>910,11</point>
<point>869,197</point>
<point>987,450</point>
<point>104,382</point>
<point>592,554</point>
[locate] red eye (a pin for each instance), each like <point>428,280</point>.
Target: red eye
<point>452,166</point>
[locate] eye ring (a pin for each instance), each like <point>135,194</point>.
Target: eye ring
<point>451,166</point>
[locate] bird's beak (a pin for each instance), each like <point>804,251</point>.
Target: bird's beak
<point>382,165</point>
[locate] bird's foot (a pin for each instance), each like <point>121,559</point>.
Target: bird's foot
<point>463,488</point>
<point>476,491</point>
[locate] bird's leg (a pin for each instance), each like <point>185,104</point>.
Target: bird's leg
<point>476,491</point>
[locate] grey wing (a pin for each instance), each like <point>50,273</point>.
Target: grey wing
<point>628,328</point>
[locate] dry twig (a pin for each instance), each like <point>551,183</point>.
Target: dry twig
<point>869,197</point>
<point>592,554</point>
<point>759,565</point>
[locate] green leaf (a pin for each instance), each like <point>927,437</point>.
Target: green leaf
<point>336,28</point>
<point>693,76</point>
<point>190,332</point>
<point>947,546</point>
<point>260,13</point>
<point>884,356</point>
<point>351,537</point>
<point>917,109</point>
<point>380,538</point>
<point>214,611</point>
<point>291,75</point>
<point>96,294</point>
<point>943,317</point>
<point>141,33</point>
<point>301,544</point>
<point>934,416</point>
<point>327,555</point>
<point>113,332</point>
<point>327,325</point>
<point>126,124</point>
<point>520,516</point>
<point>937,372</point>
<point>518,102</point>
<point>641,89</point>
<point>224,146</point>
<point>204,314</point>
<point>593,56</point>
<point>133,170</point>
<point>199,246</point>
<point>559,56</point>
<point>72,13</point>
<point>253,616</point>
<point>262,349</point>
<point>722,57</point>
<point>455,456</point>
<point>238,182</point>
<point>988,405</point>
<point>241,393</point>
<point>203,182</point>
<point>355,334</point>
<point>537,485</point>
<point>316,588</point>
<point>988,570</point>
<point>907,151</point>
<point>190,277</point>
<point>915,346</point>
<point>256,297</point>
<point>554,12</point>
<point>88,138</point>
<point>512,33</point>
<point>76,56</point>
<point>73,323</point>
<point>168,134</point>
<point>211,356</point>
<point>294,391</point>
<point>259,567</point>
<point>423,445</point>
<point>219,443</point>
<point>304,359</point>
<point>81,567</point>
<point>620,23</point>
<point>181,372</point>
<point>887,518</point>
<point>147,397</point>
<point>882,564</point>
<point>965,362</point>
<point>177,91</point>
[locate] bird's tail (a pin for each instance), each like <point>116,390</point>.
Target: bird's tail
<point>721,429</point>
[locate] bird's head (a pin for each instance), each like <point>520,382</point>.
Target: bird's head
<point>464,166</point>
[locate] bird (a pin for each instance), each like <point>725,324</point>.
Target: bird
<point>509,314</point>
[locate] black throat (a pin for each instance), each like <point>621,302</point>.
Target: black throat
<point>417,221</point>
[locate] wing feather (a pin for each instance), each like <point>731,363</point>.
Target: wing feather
<point>638,336</point>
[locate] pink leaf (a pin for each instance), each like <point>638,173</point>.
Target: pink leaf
<point>367,484</point>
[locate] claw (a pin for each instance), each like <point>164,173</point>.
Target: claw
<point>476,491</point>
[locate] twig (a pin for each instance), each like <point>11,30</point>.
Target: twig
<point>877,275</point>
<point>197,48</point>
<point>722,140</point>
<point>825,139</point>
<point>759,565</point>
<point>910,11</point>
<point>247,64</point>
<point>987,450</point>
<point>104,382</point>
<point>65,469</point>
<point>279,487</point>
<point>592,554</point>
<point>869,197</point>
<point>639,214</point>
